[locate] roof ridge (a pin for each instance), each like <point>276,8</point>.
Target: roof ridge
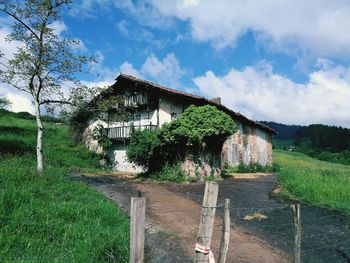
<point>179,92</point>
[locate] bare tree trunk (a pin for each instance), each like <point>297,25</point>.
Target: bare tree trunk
<point>39,142</point>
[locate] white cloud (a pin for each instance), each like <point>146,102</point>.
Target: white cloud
<point>128,68</point>
<point>58,27</point>
<point>8,49</point>
<point>189,3</point>
<point>318,27</point>
<point>123,27</point>
<point>87,8</point>
<point>101,72</point>
<point>259,93</point>
<point>144,12</point>
<point>167,71</point>
<point>20,103</point>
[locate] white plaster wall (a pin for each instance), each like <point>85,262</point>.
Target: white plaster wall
<point>153,117</point>
<point>118,158</point>
<point>166,108</point>
<point>164,111</point>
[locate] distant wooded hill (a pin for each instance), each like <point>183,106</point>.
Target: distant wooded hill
<point>285,132</point>
<point>317,136</point>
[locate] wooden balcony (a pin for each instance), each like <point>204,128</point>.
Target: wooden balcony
<point>135,100</point>
<point>124,132</point>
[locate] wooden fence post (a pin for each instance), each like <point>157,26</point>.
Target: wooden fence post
<point>137,229</point>
<point>297,238</point>
<point>207,220</point>
<point>226,227</point>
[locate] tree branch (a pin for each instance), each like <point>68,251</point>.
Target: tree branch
<point>20,21</point>
<point>57,101</point>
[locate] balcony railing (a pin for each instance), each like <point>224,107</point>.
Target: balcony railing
<point>135,100</point>
<point>124,132</point>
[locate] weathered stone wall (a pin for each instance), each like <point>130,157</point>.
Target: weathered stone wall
<point>202,165</point>
<point>268,139</point>
<point>90,143</point>
<point>249,145</point>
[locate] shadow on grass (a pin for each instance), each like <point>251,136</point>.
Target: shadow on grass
<point>13,146</point>
<point>17,131</point>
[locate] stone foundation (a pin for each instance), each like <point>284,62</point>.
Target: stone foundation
<point>202,165</point>
<point>254,146</point>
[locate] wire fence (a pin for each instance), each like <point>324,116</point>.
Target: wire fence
<point>325,235</point>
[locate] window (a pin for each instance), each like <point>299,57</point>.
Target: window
<point>234,153</point>
<point>147,115</point>
<point>245,129</point>
<point>136,117</point>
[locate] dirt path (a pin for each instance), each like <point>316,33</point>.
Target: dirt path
<point>325,233</point>
<point>264,229</point>
<point>178,214</point>
<point>175,209</point>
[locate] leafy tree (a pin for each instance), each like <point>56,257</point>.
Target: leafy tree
<point>102,139</point>
<point>143,148</point>
<point>4,103</point>
<point>197,129</point>
<point>200,128</point>
<point>323,137</point>
<point>45,60</point>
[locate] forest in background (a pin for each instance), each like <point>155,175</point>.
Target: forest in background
<point>328,143</point>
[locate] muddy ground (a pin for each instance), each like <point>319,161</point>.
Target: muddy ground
<point>262,223</point>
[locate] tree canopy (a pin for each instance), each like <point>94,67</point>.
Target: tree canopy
<point>44,62</point>
<point>197,129</point>
<point>200,127</point>
<point>4,103</point>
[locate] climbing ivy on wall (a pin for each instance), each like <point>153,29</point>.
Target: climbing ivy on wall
<point>197,129</point>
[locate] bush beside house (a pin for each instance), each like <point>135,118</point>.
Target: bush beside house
<point>193,140</point>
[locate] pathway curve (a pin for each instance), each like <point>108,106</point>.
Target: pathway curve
<point>175,208</point>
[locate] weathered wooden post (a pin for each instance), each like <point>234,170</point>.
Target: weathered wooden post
<point>207,222</point>
<point>226,227</point>
<point>137,229</point>
<point>297,238</point>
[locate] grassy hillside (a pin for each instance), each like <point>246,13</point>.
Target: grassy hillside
<point>52,218</point>
<point>314,181</point>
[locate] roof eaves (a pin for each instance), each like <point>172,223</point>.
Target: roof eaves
<point>204,100</point>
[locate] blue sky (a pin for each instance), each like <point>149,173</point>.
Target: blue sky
<point>286,61</point>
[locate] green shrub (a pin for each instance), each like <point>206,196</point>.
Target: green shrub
<point>197,129</point>
<point>103,140</point>
<point>142,148</point>
<point>251,168</point>
<point>169,173</point>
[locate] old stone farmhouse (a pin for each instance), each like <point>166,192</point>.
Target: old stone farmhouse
<point>151,105</point>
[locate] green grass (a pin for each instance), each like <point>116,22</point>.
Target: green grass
<point>313,181</point>
<point>228,170</point>
<point>282,144</point>
<point>169,173</point>
<point>53,218</point>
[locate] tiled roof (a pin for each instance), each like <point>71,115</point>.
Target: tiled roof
<point>200,99</point>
